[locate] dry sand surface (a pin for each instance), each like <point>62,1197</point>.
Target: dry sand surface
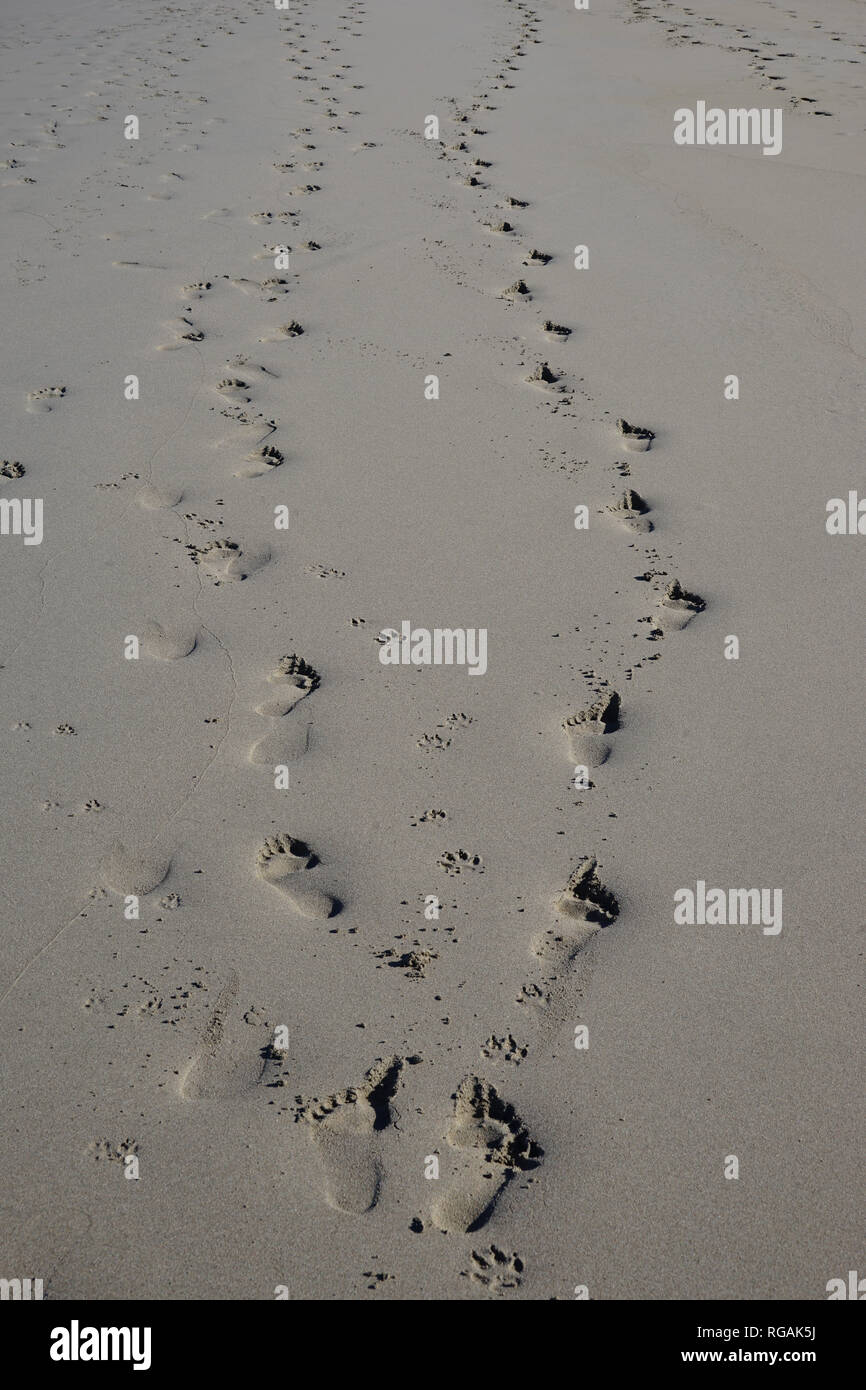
<point>370,980</point>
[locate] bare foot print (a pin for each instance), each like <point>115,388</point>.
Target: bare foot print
<point>492,1145</point>
<point>284,745</point>
<point>234,388</point>
<point>286,330</point>
<point>167,642</point>
<point>519,290</point>
<point>294,679</point>
<point>225,560</point>
<point>185,332</point>
<point>132,871</point>
<point>542,376</point>
<point>281,855</point>
<point>279,862</point>
<point>158,498</point>
<point>224,1067</point>
<point>588,904</point>
<point>635,437</point>
<point>555,330</point>
<point>261,461</point>
<point>677,606</point>
<point>345,1130</point>
<point>587,730</point>
<point>631,511</point>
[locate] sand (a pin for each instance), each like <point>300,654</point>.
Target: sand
<point>344,976</point>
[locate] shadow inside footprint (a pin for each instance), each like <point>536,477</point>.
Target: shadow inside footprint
<point>590,906</point>
<point>493,1145</point>
<point>631,511</point>
<point>677,606</point>
<point>295,679</point>
<point>635,437</point>
<point>280,861</point>
<point>587,729</point>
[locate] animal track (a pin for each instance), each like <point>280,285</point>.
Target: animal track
<point>505,1049</point>
<point>427,817</point>
<point>141,999</point>
<point>454,861</point>
<point>111,1150</point>
<point>249,421</point>
<point>433,741</point>
<point>323,572</point>
<point>263,218</point>
<point>495,1270</point>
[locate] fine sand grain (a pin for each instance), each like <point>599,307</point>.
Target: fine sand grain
<point>406,313</point>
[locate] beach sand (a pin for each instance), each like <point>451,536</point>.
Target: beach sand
<point>405,1011</point>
